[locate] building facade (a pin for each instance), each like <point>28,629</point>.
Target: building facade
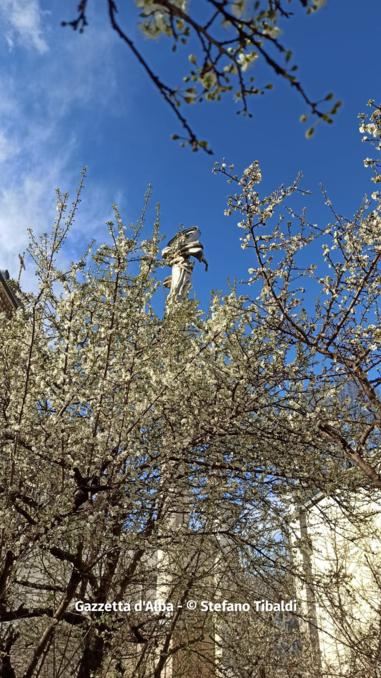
<point>337,557</point>
<point>8,299</point>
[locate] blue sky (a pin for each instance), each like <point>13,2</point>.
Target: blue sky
<point>69,100</point>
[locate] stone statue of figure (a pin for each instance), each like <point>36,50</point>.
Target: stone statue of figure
<point>177,254</point>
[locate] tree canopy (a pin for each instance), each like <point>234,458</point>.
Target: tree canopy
<point>222,40</point>
<point>146,452</point>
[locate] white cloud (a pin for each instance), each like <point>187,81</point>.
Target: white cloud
<point>42,122</point>
<point>30,203</point>
<point>27,201</point>
<point>8,148</point>
<point>22,21</point>
<point>82,73</point>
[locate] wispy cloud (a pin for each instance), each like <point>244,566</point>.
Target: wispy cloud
<point>22,23</point>
<point>45,111</point>
<point>7,148</point>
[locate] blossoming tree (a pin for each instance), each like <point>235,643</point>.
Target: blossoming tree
<point>222,40</point>
<point>113,414</point>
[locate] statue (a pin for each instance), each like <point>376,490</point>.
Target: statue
<point>184,245</point>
